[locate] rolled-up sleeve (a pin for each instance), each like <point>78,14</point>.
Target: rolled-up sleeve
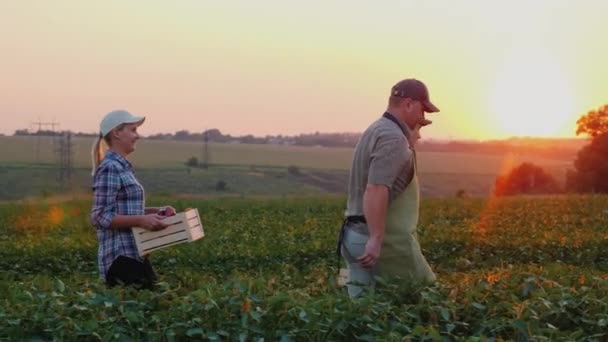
<point>105,188</point>
<point>390,155</point>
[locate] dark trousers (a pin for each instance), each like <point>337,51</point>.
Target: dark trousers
<point>130,272</point>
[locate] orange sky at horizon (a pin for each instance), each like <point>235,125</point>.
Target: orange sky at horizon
<point>495,69</point>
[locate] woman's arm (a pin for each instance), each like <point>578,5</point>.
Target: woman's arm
<point>105,189</point>
<point>152,210</point>
<point>103,215</point>
<point>149,222</point>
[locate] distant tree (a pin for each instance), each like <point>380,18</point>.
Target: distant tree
<point>221,185</point>
<point>461,193</point>
<point>182,135</point>
<point>526,178</point>
<point>293,170</point>
<point>21,132</point>
<point>161,136</point>
<point>215,134</point>
<point>594,123</point>
<point>192,162</point>
<point>590,172</point>
<point>85,134</point>
<point>49,133</point>
<point>250,139</point>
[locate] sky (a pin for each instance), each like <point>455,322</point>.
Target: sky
<point>495,68</point>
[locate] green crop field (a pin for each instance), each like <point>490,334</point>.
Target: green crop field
<point>529,268</point>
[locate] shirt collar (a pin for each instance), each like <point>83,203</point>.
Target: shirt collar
<point>402,126</point>
<point>120,159</point>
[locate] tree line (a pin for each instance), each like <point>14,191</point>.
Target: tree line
<point>550,148</point>
<point>590,165</point>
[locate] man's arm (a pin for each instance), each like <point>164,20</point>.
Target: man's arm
<point>375,203</point>
<point>389,158</point>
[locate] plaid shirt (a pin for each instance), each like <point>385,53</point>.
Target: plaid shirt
<point>116,191</point>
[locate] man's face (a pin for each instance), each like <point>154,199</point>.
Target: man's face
<point>413,112</point>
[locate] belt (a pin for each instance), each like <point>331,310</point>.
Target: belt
<point>355,219</point>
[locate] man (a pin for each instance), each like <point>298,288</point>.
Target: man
<point>378,237</point>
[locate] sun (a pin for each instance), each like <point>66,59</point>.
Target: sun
<point>532,96</point>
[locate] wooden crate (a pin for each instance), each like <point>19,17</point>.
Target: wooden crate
<point>183,227</point>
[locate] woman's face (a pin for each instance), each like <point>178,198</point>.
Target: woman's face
<point>124,138</point>
<point>415,136</point>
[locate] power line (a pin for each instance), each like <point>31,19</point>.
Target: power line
<point>205,158</point>
<point>41,124</point>
<point>65,156</point>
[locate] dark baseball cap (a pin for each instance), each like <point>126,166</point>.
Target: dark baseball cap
<point>415,90</point>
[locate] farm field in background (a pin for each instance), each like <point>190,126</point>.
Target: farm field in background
<point>172,154</point>
<point>527,268</point>
<point>22,182</point>
<point>27,169</point>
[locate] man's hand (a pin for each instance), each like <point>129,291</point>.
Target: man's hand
<point>152,222</point>
<point>372,253</point>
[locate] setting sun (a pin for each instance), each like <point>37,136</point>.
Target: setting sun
<point>532,95</point>
<point>494,69</point>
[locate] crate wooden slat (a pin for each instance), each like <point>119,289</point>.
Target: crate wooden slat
<point>183,227</point>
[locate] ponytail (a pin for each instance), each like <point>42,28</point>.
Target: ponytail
<point>97,153</point>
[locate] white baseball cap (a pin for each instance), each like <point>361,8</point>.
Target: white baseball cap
<point>116,118</point>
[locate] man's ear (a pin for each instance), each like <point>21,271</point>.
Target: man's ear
<point>408,103</point>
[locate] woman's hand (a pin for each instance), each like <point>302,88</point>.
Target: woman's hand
<point>167,211</point>
<point>152,222</point>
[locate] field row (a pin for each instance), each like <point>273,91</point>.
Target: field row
<point>525,268</point>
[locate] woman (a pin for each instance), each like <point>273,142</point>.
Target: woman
<point>415,133</point>
<point>119,204</point>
